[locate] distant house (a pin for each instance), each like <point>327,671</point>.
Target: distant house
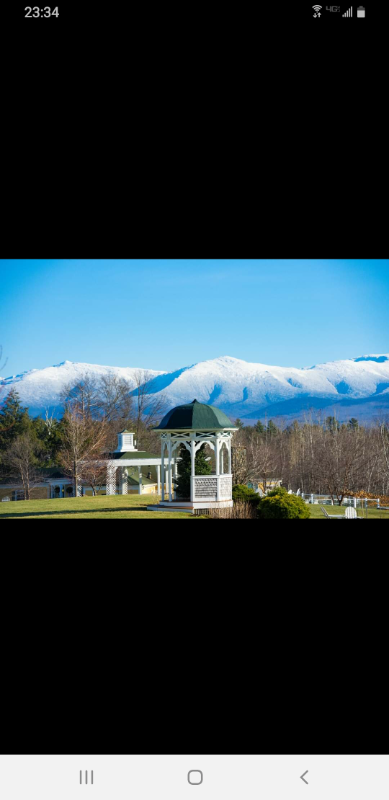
<point>258,483</point>
<point>129,471</point>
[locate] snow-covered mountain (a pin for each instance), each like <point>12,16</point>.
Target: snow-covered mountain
<point>40,389</point>
<point>356,387</point>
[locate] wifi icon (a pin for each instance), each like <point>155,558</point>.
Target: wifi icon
<point>317,8</point>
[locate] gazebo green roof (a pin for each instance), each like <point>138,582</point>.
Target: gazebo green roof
<point>195,416</point>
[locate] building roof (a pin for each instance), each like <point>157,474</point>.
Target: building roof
<point>134,454</point>
<point>195,416</point>
<point>53,472</point>
<point>45,473</point>
<point>145,481</point>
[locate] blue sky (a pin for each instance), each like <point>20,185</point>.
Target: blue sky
<point>168,314</point>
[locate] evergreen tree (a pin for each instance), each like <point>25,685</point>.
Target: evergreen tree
<point>238,424</point>
<point>332,424</point>
<point>49,434</point>
<point>272,429</point>
<point>353,423</point>
<point>202,467</point>
<point>14,420</point>
<point>259,428</point>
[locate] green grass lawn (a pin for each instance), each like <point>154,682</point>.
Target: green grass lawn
<point>130,506</point>
<point>373,513</point>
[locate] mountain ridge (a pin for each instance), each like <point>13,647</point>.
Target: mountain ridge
<point>250,390</point>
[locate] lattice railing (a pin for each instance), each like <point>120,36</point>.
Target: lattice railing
<point>111,479</point>
<point>225,487</point>
<point>205,487</point>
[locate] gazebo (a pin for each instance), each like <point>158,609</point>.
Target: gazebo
<point>192,425</point>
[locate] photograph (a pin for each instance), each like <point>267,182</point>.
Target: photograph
<point>213,389</point>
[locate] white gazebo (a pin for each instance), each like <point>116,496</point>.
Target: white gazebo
<point>193,425</point>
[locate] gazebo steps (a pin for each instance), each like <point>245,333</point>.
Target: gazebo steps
<point>190,506</point>
<point>175,507</point>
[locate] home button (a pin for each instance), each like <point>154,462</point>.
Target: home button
<point>195,777</point>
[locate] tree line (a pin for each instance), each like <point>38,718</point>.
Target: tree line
<point>318,455</point>
<point>78,442</point>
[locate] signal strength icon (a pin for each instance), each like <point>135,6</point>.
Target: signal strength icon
<point>317,8</point>
<point>348,13</point>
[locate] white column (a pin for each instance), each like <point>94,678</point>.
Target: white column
<point>229,457</point>
<point>170,468</point>
<point>123,481</point>
<point>163,469</point>
<point>140,479</point>
<point>217,452</point>
<point>193,468</point>
<point>175,475</point>
<point>222,457</point>
<point>159,479</point>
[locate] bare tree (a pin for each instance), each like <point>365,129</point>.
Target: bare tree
<point>83,395</point>
<point>115,401</point>
<point>107,399</point>
<point>21,462</point>
<point>341,461</point>
<point>94,473</point>
<point>381,437</point>
<point>149,406</point>
<point>49,421</point>
<point>262,456</point>
<point>84,439</point>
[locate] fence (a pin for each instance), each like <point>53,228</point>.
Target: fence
<point>356,502</point>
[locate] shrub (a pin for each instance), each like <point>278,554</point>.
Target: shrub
<point>278,504</point>
<point>242,492</point>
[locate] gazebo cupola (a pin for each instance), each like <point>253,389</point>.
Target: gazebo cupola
<point>192,425</point>
<point>125,442</point>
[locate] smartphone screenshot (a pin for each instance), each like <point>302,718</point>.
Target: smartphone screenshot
<point>194,352</point>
